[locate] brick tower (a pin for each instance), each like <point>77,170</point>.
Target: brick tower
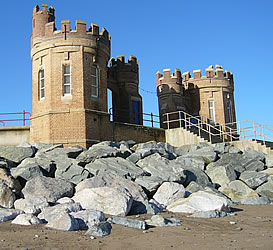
<point>210,96</point>
<point>123,80</point>
<point>69,81</point>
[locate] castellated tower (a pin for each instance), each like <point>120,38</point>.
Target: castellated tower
<point>123,80</point>
<point>69,81</point>
<point>210,96</point>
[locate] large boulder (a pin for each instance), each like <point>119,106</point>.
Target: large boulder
<point>254,155</point>
<point>7,197</point>
<point>197,175</point>
<point>99,230</point>
<point>50,188</point>
<point>199,201</point>
<point>69,169</point>
<point>8,214</point>
<point>237,191</point>
<point>31,206</point>
<point>238,162</point>
<point>110,200</point>
<point>269,160</point>
<point>149,183</point>
<point>51,214</point>
<point>26,172</point>
<point>207,153</point>
<point>116,165</point>
<point>26,219</point>
<point>113,180</point>
<point>221,175</point>
<point>266,190</point>
<point>168,192</point>
<point>191,161</point>
<point>163,168</point>
<point>65,222</point>
<point>88,217</point>
<point>127,222</point>
<point>15,155</point>
<point>254,179</point>
<point>101,150</point>
<point>70,152</point>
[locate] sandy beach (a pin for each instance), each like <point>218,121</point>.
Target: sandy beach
<point>253,229</point>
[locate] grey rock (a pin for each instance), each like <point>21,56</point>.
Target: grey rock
<point>209,214</point>
<point>15,154</point>
<point>194,187</point>
<point>7,197</point>
<point>150,183</point>
<point>88,217</point>
<point>51,214</point>
<point>31,206</point>
<point>45,147</point>
<point>27,172</point>
<point>50,188</point>
<point>238,190</point>
<point>253,179</point>
<point>221,175</point>
<point>138,224</point>
<point>113,180</point>
<point>9,180</point>
<point>116,165</point>
<point>207,153</point>
<point>9,214</point>
<point>100,150</point>
<point>70,152</point>
<point>33,167</point>
<point>168,192</point>
<point>134,157</point>
<point>68,169</point>
<point>256,201</point>
<point>269,160</point>
<point>65,223</point>
<point>160,221</point>
<point>238,162</point>
<point>99,230</point>
<point>115,201</point>
<point>26,219</point>
<point>266,190</point>
<point>192,161</point>
<point>254,155</point>
<point>225,147</point>
<point>196,175</point>
<point>163,168</point>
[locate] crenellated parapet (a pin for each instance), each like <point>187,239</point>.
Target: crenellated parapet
<point>44,28</point>
<point>169,82</point>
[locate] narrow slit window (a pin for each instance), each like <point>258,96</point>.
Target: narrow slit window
<point>41,84</point>
<point>66,80</point>
<point>229,112</point>
<point>211,111</point>
<point>94,81</point>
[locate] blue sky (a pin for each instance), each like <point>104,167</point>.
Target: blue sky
<point>192,34</point>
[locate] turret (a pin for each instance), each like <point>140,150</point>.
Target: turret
<point>123,80</point>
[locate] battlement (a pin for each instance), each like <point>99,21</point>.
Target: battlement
<point>44,26</point>
<point>218,72</point>
<point>120,65</point>
<point>167,77</point>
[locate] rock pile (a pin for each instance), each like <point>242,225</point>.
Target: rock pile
<point>73,188</point>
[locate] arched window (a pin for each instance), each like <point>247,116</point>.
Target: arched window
<point>41,82</point>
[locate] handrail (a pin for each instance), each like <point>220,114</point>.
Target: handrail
<point>226,132</point>
<point>24,119</point>
<point>152,118</point>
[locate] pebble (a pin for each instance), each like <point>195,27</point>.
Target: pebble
<point>137,216</point>
<point>239,228</point>
<point>145,232</point>
<point>232,222</point>
<point>187,228</point>
<point>92,237</point>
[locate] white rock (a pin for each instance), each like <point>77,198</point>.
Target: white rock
<point>9,214</point>
<point>64,200</point>
<point>31,206</point>
<point>110,200</point>
<point>199,201</point>
<point>26,219</point>
<point>168,192</point>
<point>65,222</point>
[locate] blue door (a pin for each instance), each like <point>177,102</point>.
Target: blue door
<point>136,112</point>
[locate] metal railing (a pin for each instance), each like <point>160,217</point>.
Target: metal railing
<point>218,132</point>
<point>146,118</point>
<point>17,117</point>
